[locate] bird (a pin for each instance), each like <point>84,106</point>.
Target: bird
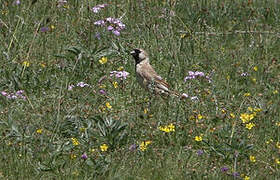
<point>147,77</point>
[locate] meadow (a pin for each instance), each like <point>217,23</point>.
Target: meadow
<point>71,108</point>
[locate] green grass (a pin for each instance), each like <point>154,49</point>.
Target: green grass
<point>38,134</point>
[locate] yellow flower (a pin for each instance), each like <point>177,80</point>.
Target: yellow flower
<point>26,63</point>
<point>199,117</point>
<point>255,68</point>
<point>72,156</point>
<point>120,68</point>
<point>277,161</point>
<point>247,94</point>
<point>254,80</point>
<point>250,125</point>
<point>257,109</point>
<point>146,111</point>
<point>246,178</point>
<point>108,105</point>
<point>82,129</point>
<point>43,65</point>
<point>278,145</point>
<point>198,138</point>
<point>223,111</point>
<point>144,144</point>
<point>52,27</point>
<point>183,36</point>
<point>232,115</point>
<point>115,84</point>
<point>104,147</point>
<point>103,60</point>
<point>75,141</point>
<point>277,124</point>
<point>250,109</point>
<point>92,150</point>
<point>169,128</point>
<point>39,131</point>
<point>252,159</point>
<point>102,86</point>
<point>247,117</point>
<point>269,141</point>
<point>275,92</point>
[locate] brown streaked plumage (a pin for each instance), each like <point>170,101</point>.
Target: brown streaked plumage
<point>147,76</point>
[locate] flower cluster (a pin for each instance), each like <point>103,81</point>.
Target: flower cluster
<point>18,94</point>
<point>104,147</point>
<point>119,74</point>
<point>79,84</point>
<point>113,24</point>
<point>247,117</point>
<point>196,74</point>
<point>98,7</point>
<point>143,145</point>
<point>168,128</point>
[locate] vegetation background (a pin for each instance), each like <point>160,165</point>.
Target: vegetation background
<point>65,115</point>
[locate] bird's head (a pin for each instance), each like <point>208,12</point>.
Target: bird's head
<point>139,55</point>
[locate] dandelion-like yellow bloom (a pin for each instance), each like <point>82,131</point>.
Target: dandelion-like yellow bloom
<point>183,36</point>
<point>115,84</point>
<point>108,105</point>
<point>103,60</point>
<point>275,92</point>
<point>168,128</point>
<point>246,178</point>
<point>232,115</point>
<point>250,109</point>
<point>277,124</point>
<point>199,117</point>
<point>247,117</point>
<point>39,131</point>
<point>247,94</point>
<point>198,138</point>
<point>144,144</point>
<point>277,161</point>
<point>104,147</point>
<point>252,159</point>
<point>146,111</point>
<point>26,63</point>
<point>250,126</point>
<point>75,141</point>
<point>255,68</point>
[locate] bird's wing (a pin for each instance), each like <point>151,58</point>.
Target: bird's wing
<point>148,72</point>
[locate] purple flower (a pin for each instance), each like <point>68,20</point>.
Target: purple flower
<point>97,35</point>
<point>99,23</point>
<point>97,8</point>
<point>119,74</point>
<point>110,28</point>
<point>17,2</point>
<point>82,84</point>
<point>84,156</point>
<point>18,94</point>
<point>224,169</point>
<point>235,174</point>
<point>61,3</point>
<point>194,98</point>
<point>70,87</point>
<point>199,152</point>
<point>184,95</point>
<point>44,29</point>
<point>102,91</point>
<point>244,74</point>
<point>201,74</point>
<point>117,33</point>
<point>133,147</point>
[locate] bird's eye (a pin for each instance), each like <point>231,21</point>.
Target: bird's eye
<point>137,51</point>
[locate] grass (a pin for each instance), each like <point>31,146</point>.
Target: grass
<point>230,131</point>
